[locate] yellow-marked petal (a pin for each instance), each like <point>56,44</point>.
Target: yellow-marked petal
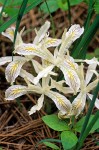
<point>13,70</point>
<point>70,64</point>
<point>15,91</point>
<point>74,33</point>
<point>71,78</point>
<point>51,42</point>
<point>31,49</point>
<point>61,102</point>
<point>9,33</point>
<point>78,104</point>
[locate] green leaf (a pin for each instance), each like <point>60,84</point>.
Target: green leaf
<point>16,3</point>
<point>51,145</point>
<point>11,3</point>
<point>12,20</point>
<point>0,148</point>
<point>55,123</point>
<point>78,126</point>
<point>75,2</point>
<point>11,11</point>
<point>69,139</point>
<point>97,52</point>
<point>52,4</point>
<point>96,6</point>
<point>90,55</point>
<point>64,5</point>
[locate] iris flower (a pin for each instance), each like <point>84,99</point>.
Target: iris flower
<point>64,62</point>
<point>15,91</point>
<point>86,87</point>
<point>13,69</point>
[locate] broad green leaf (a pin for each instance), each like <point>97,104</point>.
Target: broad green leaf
<point>64,6</point>
<point>90,55</point>
<point>0,148</point>
<point>55,123</point>
<point>16,3</point>
<point>52,4</point>
<point>97,52</point>
<point>75,2</point>
<point>78,126</point>
<point>51,145</point>
<point>11,3</point>
<point>11,11</point>
<point>69,139</point>
<point>13,19</point>
<point>96,6</point>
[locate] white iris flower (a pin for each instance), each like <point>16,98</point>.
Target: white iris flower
<point>65,63</point>
<point>74,76</point>
<point>86,87</point>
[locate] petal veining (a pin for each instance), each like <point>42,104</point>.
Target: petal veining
<point>15,91</point>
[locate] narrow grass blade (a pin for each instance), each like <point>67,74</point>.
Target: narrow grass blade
<point>12,20</point>
<point>69,13</point>
<point>50,140</point>
<point>89,36</point>
<point>96,117</point>
<point>52,22</point>
<point>51,145</point>
<point>19,17</point>
<point>83,133</point>
<point>86,24</point>
<point>3,8</point>
<point>90,11</point>
<point>47,140</point>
